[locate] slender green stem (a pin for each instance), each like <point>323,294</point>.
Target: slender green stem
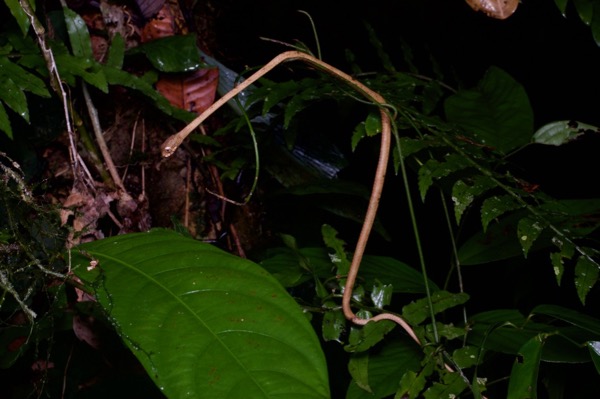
<point>415,227</point>
<point>314,29</point>
<point>510,191</point>
<point>461,286</point>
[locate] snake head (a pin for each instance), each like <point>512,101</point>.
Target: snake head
<point>169,146</point>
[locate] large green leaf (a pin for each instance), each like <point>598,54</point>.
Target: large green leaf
<point>172,53</point>
<point>523,378</point>
<point>386,367</point>
<point>418,311</point>
<point>571,316</point>
<point>17,11</point>
<point>13,96</point>
<point>79,37</point>
<point>24,79</point>
<point>586,276</point>
<point>5,122</point>
<point>562,132</point>
<point>497,113</point>
<point>202,322</point>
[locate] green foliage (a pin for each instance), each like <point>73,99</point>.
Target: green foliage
<point>588,11</point>
<point>15,80</point>
<point>206,323</point>
<point>22,67</point>
<point>496,114</point>
<point>201,321</point>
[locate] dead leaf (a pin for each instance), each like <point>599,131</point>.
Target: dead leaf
<point>195,92</point>
<point>500,9</point>
<point>168,22</point>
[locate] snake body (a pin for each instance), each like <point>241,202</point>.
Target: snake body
<point>173,142</point>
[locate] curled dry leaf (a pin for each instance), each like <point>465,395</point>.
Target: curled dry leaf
<point>500,9</point>
<point>168,22</point>
<point>194,93</point>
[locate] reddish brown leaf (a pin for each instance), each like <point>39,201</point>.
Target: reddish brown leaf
<point>168,22</point>
<point>194,93</point>
<point>500,9</point>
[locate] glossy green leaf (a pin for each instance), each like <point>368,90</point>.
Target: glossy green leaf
<point>300,101</point>
<point>562,132</point>
<point>464,192</point>
<point>381,294</point>
<point>5,122</point>
<point>433,170</point>
<point>386,270</point>
<point>594,349</point>
<point>562,6</point>
<point>571,316</point>
<point>498,242</point>
<point>350,209</point>
<point>12,95</point>
<point>412,384</point>
<point>386,367</point>
<point>116,52</point>
<point>399,275</point>
<point>504,331</point>
<point>585,9</point>
<point>71,67</point>
<point>358,367</point>
<point>524,374</point>
<point>202,322</point>
<point>495,207</point>
<point>466,357</point>
<point>586,276</point>
<point>373,124</point>
<point>172,53</point>
<point>334,325</point>
<point>338,257</point>
<point>367,128</point>
<point>418,311</point>
<point>528,230</point>
<point>566,344</point>
<point>117,76</point>
<point>412,146</point>
<point>595,25</point>
<point>558,266</point>
<point>17,11</point>
<point>79,37</point>
<point>22,78</point>
<point>453,384</point>
<point>497,113</point>
<point>448,331</point>
<point>575,216</point>
<point>364,337</point>
<point>273,94</point>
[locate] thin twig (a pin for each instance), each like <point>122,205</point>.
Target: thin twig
<point>55,80</point>
<point>101,142</point>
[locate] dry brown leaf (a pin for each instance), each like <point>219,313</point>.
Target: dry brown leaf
<point>194,93</point>
<point>168,22</point>
<point>500,9</point>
